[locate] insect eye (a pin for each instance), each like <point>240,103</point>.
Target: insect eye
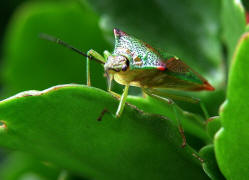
<point>126,65</point>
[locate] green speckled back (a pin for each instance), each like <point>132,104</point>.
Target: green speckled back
<point>141,55</point>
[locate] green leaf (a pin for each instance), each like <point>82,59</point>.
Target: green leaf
<point>231,143</point>
<point>247,28</point>
<point>34,63</point>
<point>60,125</point>
<point>213,125</point>
<point>191,33</point>
<point>21,166</point>
<point>233,24</point>
<point>210,165</point>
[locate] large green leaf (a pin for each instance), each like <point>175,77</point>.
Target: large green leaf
<point>33,63</point>
<point>231,143</point>
<point>213,125</point>
<point>233,24</point>
<point>60,125</point>
<point>23,166</point>
<point>210,165</point>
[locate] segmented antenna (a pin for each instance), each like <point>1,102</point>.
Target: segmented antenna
<point>58,41</point>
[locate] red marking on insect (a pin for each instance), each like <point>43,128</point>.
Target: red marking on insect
<point>161,68</point>
<point>205,86</point>
<point>208,86</point>
<point>117,32</point>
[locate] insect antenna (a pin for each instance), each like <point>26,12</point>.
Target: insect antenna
<point>59,41</point>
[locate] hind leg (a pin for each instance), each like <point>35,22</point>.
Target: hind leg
<point>169,101</point>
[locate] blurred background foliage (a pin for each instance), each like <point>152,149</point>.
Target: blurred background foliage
<point>202,33</point>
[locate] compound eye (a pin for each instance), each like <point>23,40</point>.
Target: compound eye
<point>125,66</point>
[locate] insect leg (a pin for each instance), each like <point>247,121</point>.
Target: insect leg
<point>204,110</point>
<point>91,53</point>
<point>184,99</point>
<point>169,101</point>
<point>122,101</point>
<point>107,54</point>
<point>103,112</point>
<point>180,128</point>
<point>116,95</point>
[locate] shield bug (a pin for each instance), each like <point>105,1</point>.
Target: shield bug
<point>135,63</point>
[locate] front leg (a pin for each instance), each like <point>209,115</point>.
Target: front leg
<point>116,95</point>
<point>122,101</point>
<point>95,54</point>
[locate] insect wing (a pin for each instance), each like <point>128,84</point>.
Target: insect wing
<point>185,75</point>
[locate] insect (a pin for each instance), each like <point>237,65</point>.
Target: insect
<point>135,63</point>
